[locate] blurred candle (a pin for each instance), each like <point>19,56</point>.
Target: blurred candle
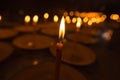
<point>90,23</point>
<point>78,25</point>
<point>71,13</point>
<point>35,19</point>
<point>85,19</point>
<point>27,19</point>
<point>59,48</point>
<point>67,19</point>
<point>46,16</point>
<point>0,17</point>
<point>74,20</point>
<point>65,13</point>
<point>55,18</point>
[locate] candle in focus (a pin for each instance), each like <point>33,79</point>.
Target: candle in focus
<point>62,29</point>
<point>59,48</point>
<point>27,19</point>
<point>35,19</point>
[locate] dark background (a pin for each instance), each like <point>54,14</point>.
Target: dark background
<point>81,5</point>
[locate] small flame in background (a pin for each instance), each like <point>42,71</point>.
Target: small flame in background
<point>46,15</point>
<point>55,18</point>
<point>35,18</point>
<point>107,35</point>
<point>0,17</point>
<point>27,19</point>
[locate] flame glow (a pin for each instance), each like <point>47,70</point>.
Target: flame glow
<point>46,15</point>
<point>78,24</point>
<point>55,18</point>
<point>0,17</point>
<point>62,28</point>
<point>35,18</point>
<point>27,19</point>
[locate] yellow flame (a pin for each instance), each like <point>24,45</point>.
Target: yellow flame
<point>114,16</point>
<point>74,20</point>
<point>35,18</point>
<point>78,24</point>
<point>27,19</point>
<point>46,15</point>
<point>0,17</point>
<point>90,23</point>
<point>85,19</point>
<point>55,18</point>
<point>79,19</point>
<point>62,28</point>
<point>67,19</point>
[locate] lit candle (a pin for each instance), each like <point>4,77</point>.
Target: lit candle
<point>59,48</point>
<point>0,17</point>
<point>46,16</point>
<point>35,19</point>
<point>55,18</point>
<point>78,24</point>
<point>27,19</point>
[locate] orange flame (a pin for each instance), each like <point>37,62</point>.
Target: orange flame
<point>62,28</point>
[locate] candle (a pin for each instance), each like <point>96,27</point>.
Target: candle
<point>0,17</point>
<point>78,24</point>
<point>55,18</point>
<point>35,19</point>
<point>46,16</point>
<point>27,19</point>
<point>59,48</point>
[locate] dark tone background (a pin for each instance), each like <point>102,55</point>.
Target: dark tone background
<point>81,5</point>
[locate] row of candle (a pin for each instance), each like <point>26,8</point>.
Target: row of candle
<point>71,17</point>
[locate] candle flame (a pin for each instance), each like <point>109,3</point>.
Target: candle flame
<point>46,15</point>
<point>27,19</point>
<point>78,24</point>
<point>35,18</point>
<point>55,18</point>
<point>0,17</point>
<point>62,28</point>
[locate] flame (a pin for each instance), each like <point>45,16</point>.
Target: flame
<point>55,18</point>
<point>35,18</point>
<point>27,19</point>
<point>0,17</point>
<point>62,28</point>
<point>46,15</point>
<point>74,20</point>
<point>78,24</point>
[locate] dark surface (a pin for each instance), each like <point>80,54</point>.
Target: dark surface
<point>106,67</point>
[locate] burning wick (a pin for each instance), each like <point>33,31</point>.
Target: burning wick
<point>59,49</point>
